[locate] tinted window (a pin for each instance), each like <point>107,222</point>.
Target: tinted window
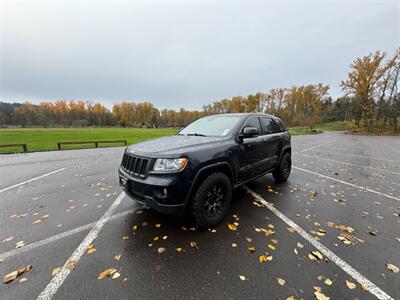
<point>280,125</point>
<point>268,126</point>
<point>253,122</point>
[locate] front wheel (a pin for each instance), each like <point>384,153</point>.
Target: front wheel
<point>282,171</point>
<point>212,200</point>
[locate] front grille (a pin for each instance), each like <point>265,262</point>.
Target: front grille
<point>135,165</point>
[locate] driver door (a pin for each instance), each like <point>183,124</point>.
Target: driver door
<point>251,152</point>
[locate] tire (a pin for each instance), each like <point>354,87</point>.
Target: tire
<point>282,171</point>
<point>211,201</point>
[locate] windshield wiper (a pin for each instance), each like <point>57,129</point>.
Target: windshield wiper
<point>196,134</point>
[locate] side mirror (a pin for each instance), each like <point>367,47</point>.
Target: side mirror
<point>249,132</point>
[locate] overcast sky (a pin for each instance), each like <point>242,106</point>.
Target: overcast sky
<point>183,54</point>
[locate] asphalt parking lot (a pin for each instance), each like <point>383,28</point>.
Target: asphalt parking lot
<point>333,229</point>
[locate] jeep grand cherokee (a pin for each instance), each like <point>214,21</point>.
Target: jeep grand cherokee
<point>196,171</point>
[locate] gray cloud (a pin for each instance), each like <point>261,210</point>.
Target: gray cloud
<point>179,54</point>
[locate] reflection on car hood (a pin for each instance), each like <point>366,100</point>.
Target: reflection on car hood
<point>173,145</point>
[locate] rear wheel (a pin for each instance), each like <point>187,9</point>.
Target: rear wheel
<point>282,171</point>
<point>212,200</point>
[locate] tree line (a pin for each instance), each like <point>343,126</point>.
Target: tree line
<point>370,101</point>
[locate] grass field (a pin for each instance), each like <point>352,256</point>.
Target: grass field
<point>46,139</point>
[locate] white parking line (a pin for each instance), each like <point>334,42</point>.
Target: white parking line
<point>348,183</point>
<point>30,180</point>
<point>58,279</point>
<point>60,236</point>
<point>350,164</point>
<point>361,279</point>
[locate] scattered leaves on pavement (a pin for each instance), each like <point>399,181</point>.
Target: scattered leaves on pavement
<point>351,285</point>
<point>392,268</point>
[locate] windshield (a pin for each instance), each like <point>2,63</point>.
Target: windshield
<point>211,126</point>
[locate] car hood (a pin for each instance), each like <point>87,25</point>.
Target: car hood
<point>172,146</point>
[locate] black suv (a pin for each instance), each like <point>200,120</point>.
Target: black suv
<point>195,171</point>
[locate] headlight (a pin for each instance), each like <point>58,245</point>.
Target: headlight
<point>169,165</point>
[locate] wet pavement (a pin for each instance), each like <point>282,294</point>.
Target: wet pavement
<point>343,193</point>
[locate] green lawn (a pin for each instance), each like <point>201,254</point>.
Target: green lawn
<point>46,139</point>
<point>329,126</point>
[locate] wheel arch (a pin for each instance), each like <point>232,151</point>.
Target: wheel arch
<point>220,167</point>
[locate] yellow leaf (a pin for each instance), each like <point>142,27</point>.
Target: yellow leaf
<point>125,238</point>
<point>155,238</point>
<point>179,250</point>
<point>262,258</point>
<point>251,249</point>
<point>320,296</point>
<point>106,273</point>
<point>327,281</point>
<point>232,227</point>
<point>317,254</point>
<point>281,281</point>
<point>350,285</point>
<point>71,265</point>
<point>290,229</point>
<point>242,277</point>
<point>37,221</point>
<point>234,245</point>
<point>158,225</point>
<point>249,240</point>
<point>117,257</point>
<point>11,276</point>
<point>55,271</point>
<point>24,279</point>
<point>116,275</point>
<point>91,250</point>
<point>272,247</point>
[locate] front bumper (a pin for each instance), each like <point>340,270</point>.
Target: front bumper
<point>165,193</point>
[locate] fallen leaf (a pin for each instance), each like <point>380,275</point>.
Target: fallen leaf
<point>249,240</point>
<point>11,276</point>
<point>71,265</point>
<point>37,221</point>
<point>91,249</point>
<point>320,296</point>
<point>251,249</point>
<point>350,285</point>
<point>10,238</point>
<point>392,268</point>
<point>262,258</point>
<point>158,225</point>
<point>314,194</point>
<point>281,281</point>
<point>234,245</point>
<point>364,288</point>
<point>290,229</point>
<point>327,281</point>
<point>19,244</point>
<point>178,250</point>
<point>242,277</point>
<point>272,247</point>
<point>116,275</point>
<point>106,273</point>
<point>125,238</point>
<point>117,257</point>
<point>24,279</point>
<point>317,254</point>
<point>300,245</point>
<point>232,227</point>
<point>55,271</point>
<point>161,250</point>
<point>194,245</point>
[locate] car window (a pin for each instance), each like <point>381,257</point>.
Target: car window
<point>280,125</point>
<point>268,126</point>
<point>253,122</point>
